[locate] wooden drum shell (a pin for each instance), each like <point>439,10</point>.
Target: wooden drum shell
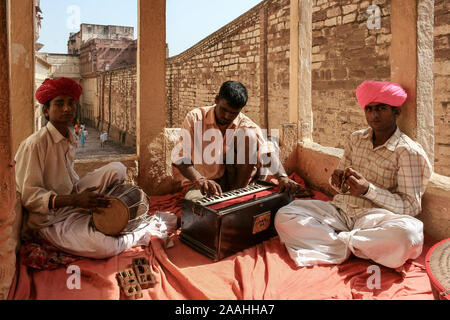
<point>129,207</point>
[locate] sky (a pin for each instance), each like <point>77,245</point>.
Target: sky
<point>187,21</point>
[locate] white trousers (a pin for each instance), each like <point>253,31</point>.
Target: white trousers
<point>316,232</point>
<point>76,234</point>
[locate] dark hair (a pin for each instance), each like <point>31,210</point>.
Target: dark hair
<point>234,93</point>
<point>47,105</point>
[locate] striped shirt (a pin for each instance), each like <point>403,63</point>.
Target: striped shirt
<point>397,171</point>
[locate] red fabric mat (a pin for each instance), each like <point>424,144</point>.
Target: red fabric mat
<point>264,271</point>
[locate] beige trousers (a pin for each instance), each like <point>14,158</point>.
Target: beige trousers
<point>76,234</point>
<point>316,232</point>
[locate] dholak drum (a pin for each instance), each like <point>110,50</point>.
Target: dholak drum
<point>437,262</point>
<point>129,208</point>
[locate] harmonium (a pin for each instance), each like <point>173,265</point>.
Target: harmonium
<point>220,226</point>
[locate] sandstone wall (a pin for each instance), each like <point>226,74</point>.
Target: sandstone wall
<point>441,86</point>
<point>89,101</point>
<point>99,55</point>
<point>112,107</point>
<point>278,53</point>
<point>345,53</point>
<point>8,227</point>
<point>253,49</point>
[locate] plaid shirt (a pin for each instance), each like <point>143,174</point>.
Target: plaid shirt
<point>397,171</point>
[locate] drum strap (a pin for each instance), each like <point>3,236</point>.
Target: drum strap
<point>123,193</point>
<point>148,219</point>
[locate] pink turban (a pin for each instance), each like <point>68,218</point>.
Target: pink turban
<point>383,92</point>
<point>53,88</point>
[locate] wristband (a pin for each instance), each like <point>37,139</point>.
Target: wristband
<point>53,202</point>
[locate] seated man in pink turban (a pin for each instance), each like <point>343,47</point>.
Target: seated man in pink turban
<point>379,181</point>
<point>57,201</point>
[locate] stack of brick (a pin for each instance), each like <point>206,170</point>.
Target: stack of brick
<point>133,280</point>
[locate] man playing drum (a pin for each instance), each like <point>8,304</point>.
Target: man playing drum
<point>58,203</point>
<point>225,122</point>
<point>380,181</point>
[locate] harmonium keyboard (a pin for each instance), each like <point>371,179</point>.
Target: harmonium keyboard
<point>220,226</point>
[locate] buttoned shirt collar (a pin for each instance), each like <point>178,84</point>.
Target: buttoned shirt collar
<point>57,136</point>
<point>390,143</point>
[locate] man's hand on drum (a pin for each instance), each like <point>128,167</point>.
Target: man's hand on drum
<point>90,199</point>
<point>209,187</point>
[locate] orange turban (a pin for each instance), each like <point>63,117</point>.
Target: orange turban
<point>53,88</point>
<point>390,93</point>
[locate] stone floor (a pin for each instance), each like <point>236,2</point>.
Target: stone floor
<point>92,148</point>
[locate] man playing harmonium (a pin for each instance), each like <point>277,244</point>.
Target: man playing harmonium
<point>379,181</point>
<point>221,149</point>
<point>58,203</point>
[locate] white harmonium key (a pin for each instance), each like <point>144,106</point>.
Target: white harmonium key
<point>253,188</point>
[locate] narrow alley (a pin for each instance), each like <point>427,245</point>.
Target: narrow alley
<point>92,147</point>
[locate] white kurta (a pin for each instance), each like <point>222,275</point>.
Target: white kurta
<point>377,226</point>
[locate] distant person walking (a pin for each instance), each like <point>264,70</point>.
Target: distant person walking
<point>103,138</point>
<point>83,128</point>
<point>82,137</point>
